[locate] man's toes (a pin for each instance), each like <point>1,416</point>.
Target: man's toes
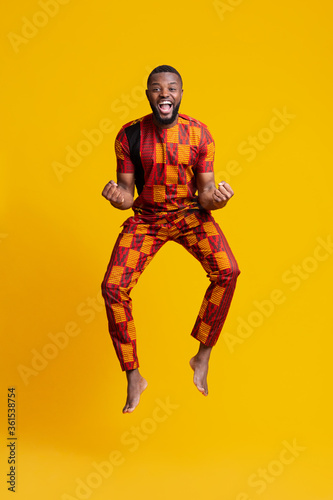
<point>128,409</point>
<point>202,390</point>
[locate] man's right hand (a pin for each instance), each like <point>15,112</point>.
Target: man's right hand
<point>113,194</point>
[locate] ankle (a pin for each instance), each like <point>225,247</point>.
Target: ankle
<point>203,353</point>
<point>133,374</point>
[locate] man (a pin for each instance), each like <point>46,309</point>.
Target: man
<point>169,157</point>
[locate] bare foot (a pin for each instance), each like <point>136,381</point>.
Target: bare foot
<point>199,364</point>
<point>136,384</point>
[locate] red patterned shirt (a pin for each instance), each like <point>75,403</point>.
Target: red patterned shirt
<point>170,158</point>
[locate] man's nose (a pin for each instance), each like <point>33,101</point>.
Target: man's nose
<point>164,92</point>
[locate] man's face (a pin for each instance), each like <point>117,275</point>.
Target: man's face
<point>164,95</point>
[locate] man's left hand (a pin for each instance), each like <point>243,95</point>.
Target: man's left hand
<point>222,195</point>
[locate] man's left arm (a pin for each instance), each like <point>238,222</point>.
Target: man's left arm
<point>212,197</point>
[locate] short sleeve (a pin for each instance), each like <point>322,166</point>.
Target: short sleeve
<point>206,152</point>
<point>124,162</point>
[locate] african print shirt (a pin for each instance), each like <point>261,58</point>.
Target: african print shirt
<point>171,158</point>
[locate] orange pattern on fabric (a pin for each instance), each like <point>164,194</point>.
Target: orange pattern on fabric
<point>172,134</point>
<point>146,244</point>
<point>205,247</point>
<point>217,295</point>
<point>126,240</point>
<point>131,330</point>
<point>182,191</point>
<point>203,332</point>
<point>171,174</point>
<point>132,259</point>
<point>160,153</point>
<point>127,352</point>
<point>192,239</point>
<point>119,312</point>
<point>183,153</point>
<point>116,274</point>
<point>142,229</point>
<point>159,194</point>
<point>192,221</point>
<point>222,260</point>
<point>210,229</point>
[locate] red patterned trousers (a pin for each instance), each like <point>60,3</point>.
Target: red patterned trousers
<point>197,231</point>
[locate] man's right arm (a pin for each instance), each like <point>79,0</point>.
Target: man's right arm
<point>120,195</point>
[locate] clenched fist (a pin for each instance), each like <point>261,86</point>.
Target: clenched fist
<point>222,194</point>
<point>113,194</point>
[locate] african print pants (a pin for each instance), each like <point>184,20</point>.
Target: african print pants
<point>135,247</point>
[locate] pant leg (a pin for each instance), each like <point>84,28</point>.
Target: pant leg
<point>134,249</point>
<point>203,238</point>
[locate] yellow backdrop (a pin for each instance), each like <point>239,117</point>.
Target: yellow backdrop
<point>259,74</point>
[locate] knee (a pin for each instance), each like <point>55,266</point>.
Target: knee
<point>109,290</point>
<point>226,276</point>
<point>103,289</point>
<point>115,293</point>
<point>233,273</point>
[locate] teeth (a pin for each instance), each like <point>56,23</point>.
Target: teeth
<point>165,102</point>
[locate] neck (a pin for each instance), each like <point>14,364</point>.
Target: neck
<point>162,125</point>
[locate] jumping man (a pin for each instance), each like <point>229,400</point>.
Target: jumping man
<point>169,157</point>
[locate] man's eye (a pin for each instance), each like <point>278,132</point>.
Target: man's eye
<point>156,89</point>
<point>172,89</point>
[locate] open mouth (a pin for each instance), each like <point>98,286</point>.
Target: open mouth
<point>165,107</point>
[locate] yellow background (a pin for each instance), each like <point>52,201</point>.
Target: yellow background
<point>86,64</point>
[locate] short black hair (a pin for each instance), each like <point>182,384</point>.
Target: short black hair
<point>164,68</point>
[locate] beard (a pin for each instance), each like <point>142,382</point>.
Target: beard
<point>165,121</point>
